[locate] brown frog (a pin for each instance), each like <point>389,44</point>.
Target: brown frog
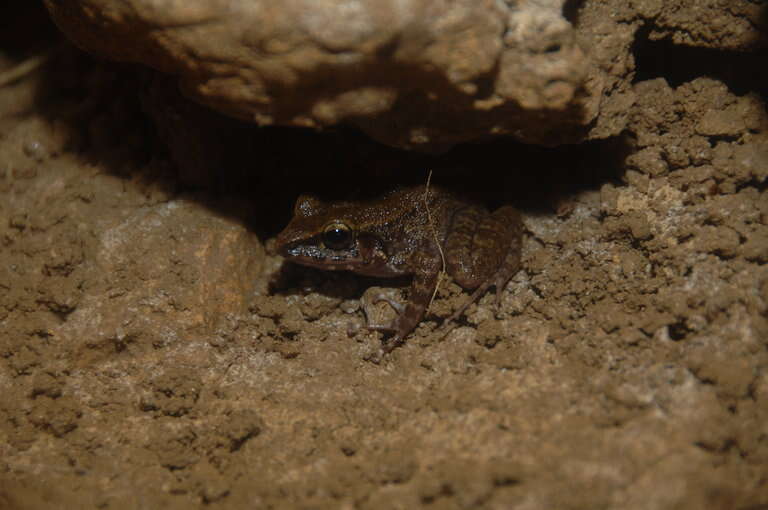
<point>398,235</point>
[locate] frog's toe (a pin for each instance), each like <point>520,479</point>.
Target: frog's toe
<point>391,344</point>
<point>501,284</point>
<point>381,327</point>
<point>387,346</point>
<point>387,298</point>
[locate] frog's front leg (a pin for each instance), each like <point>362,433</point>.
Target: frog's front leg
<point>409,315</point>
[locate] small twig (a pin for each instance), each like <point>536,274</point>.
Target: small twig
<point>20,71</point>
<point>437,240</point>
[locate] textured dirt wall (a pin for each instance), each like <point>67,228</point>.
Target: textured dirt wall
<point>155,354</point>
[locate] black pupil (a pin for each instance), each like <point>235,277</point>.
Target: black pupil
<point>337,238</point>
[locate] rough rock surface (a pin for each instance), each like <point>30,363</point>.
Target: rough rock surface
<point>718,24</point>
<point>410,73</point>
<point>153,354</point>
<point>413,73</point>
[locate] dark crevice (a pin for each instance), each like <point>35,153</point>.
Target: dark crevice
<point>486,84</point>
<point>719,449</point>
<point>742,72</point>
<point>753,183</point>
<point>25,29</point>
<point>237,443</point>
<point>537,179</point>
<point>571,11</point>
<point>506,481</point>
<point>678,331</point>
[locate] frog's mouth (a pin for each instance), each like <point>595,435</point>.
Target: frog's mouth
<point>323,258</point>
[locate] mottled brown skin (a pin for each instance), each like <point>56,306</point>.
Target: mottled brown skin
<point>396,236</point>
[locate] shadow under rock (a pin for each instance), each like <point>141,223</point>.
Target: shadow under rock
<point>133,123</point>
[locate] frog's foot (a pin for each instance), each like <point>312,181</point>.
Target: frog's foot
<point>387,345</point>
<point>387,298</point>
<point>378,355</point>
<point>482,289</point>
<point>409,315</point>
<point>391,343</point>
<point>498,281</point>
<point>371,299</point>
<point>398,339</point>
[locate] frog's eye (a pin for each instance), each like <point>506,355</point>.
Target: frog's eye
<point>337,236</point>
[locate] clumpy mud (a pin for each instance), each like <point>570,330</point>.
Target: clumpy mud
<point>154,352</point>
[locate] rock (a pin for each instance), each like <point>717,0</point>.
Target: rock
<point>711,24</point>
<point>170,265</point>
<point>411,73</point>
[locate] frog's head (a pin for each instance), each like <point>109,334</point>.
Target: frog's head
<point>326,236</point>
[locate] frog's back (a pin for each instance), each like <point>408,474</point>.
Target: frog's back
<point>406,215</point>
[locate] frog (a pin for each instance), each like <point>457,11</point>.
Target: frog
<point>416,231</point>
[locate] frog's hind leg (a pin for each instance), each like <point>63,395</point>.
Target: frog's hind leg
<point>410,314</point>
<point>499,280</point>
<point>510,218</point>
<point>511,265</point>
